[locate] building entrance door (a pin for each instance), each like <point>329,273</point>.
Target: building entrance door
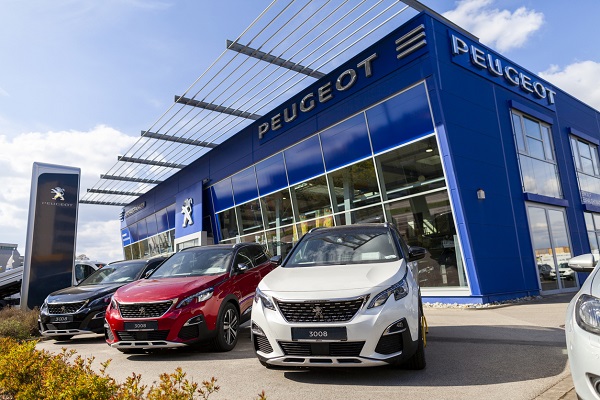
<point>552,249</point>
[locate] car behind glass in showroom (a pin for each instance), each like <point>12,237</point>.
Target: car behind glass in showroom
<point>80,309</point>
<point>583,329</point>
<point>344,297</point>
<point>199,295</point>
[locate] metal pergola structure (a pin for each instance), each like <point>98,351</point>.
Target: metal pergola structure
<point>285,49</point>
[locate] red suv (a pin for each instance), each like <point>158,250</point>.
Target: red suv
<point>200,294</point>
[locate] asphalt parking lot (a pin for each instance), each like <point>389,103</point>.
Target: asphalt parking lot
<point>512,351</point>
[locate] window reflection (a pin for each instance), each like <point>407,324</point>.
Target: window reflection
<point>355,186</point>
<point>228,224</point>
<point>280,241</point>
<point>277,208</point>
<point>411,169</point>
<point>312,198</point>
<point>539,177</point>
<point>427,221</point>
<point>251,217</point>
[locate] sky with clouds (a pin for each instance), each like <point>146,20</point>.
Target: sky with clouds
<point>79,79</point>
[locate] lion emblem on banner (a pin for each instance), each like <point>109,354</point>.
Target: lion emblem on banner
<point>186,210</point>
<point>59,193</point>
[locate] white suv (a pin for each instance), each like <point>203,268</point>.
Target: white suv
<point>344,297</point>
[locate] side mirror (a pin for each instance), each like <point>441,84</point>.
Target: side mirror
<point>582,263</point>
<point>241,268</point>
<point>148,273</point>
<point>276,260</point>
<point>416,253</point>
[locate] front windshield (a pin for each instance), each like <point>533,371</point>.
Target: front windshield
<point>198,262</point>
<point>115,273</point>
<point>335,247</point>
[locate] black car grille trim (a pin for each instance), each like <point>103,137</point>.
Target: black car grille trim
<point>144,310</point>
<point>65,308</point>
<point>389,344</point>
<point>336,349</point>
<point>341,310</point>
<point>189,332</point>
<point>261,343</point>
<point>130,336</point>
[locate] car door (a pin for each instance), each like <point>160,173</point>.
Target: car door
<point>246,277</point>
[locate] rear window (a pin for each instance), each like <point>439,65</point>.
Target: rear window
<point>335,247</point>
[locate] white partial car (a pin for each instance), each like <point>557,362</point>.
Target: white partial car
<point>583,330</point>
<point>344,297</point>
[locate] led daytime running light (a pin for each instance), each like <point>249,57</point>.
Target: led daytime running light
<point>400,290</point>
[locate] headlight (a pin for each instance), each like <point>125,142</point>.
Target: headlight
<point>101,301</point>
<point>199,297</point>
<point>400,290</point>
<point>44,308</point>
<point>113,304</point>
<point>267,303</point>
<point>587,313</point>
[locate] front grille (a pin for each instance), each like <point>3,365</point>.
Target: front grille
<point>189,332</point>
<point>337,349</point>
<point>65,308</point>
<point>389,344</point>
<point>261,343</point>
<point>320,310</point>
<point>130,336</point>
<point>144,310</point>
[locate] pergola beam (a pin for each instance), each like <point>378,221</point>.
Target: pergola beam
<point>102,203</point>
<point>192,142</point>
<point>217,108</point>
<point>151,162</point>
<point>101,191</point>
<point>129,179</point>
<point>281,62</point>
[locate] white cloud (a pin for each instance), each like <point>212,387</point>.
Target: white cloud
<point>93,151</point>
<point>579,79</point>
<point>500,29</point>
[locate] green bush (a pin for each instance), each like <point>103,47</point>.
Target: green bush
<point>27,373</point>
<point>19,324</point>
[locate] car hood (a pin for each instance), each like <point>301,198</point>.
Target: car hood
<point>147,290</point>
<point>80,293</point>
<point>345,280</point>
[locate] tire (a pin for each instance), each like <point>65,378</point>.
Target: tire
<point>62,338</point>
<point>417,360</point>
<point>228,326</point>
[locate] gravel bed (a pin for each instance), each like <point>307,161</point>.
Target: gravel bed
<point>477,305</point>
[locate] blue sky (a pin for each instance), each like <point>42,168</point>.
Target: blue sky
<point>79,79</point>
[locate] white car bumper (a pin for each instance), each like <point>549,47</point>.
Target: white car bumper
<point>376,336</point>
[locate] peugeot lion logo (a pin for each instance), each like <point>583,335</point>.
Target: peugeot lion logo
<point>318,312</point>
<point>186,210</point>
<point>63,310</point>
<point>59,193</point>
<point>142,311</point>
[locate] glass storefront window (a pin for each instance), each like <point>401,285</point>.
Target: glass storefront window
<point>539,172</point>
<point>135,251</point>
<point>362,215</point>
<point>312,198</point>
<point>280,241</point>
<point>427,221</point>
<point>355,186</point>
<point>411,169</point>
<point>127,252</point>
<point>250,217</point>
<point>277,209</point>
<point>592,225</point>
<point>228,224</point>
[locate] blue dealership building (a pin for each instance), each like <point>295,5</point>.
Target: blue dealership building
<point>491,168</point>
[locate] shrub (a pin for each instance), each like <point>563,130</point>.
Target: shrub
<point>27,373</point>
<point>19,324</point>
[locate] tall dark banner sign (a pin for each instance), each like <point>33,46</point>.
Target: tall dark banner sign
<point>51,232</point>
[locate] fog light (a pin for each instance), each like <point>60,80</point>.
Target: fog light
<point>398,326</point>
<point>256,330</point>
<point>194,321</point>
<point>595,380</point>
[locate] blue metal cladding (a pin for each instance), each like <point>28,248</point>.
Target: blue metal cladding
<point>304,160</point>
<point>244,185</point>
<point>400,119</point>
<point>152,225</point>
<point>346,142</point>
<point>171,216</point>
<point>162,220</point>
<point>222,194</point>
<point>270,174</point>
<point>133,232</point>
<point>142,229</point>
